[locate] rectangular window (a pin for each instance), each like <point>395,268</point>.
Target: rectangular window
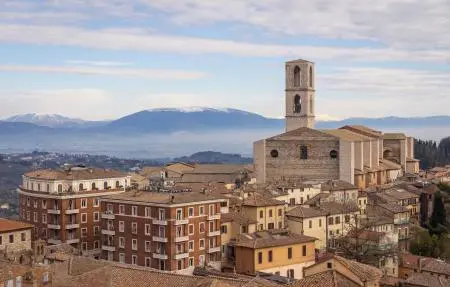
<point>134,210</point>
<point>121,209</point>
<point>270,226</point>
<point>134,244</point>
<point>35,216</point>
<point>28,215</point>
<point>162,214</point>
<point>304,250</point>
<point>201,227</point>
<point>260,257</point>
<point>121,226</point>
<point>191,261</point>
<point>147,246</point>
<point>148,262</point>
<point>202,244</point>
<point>347,218</point>
<point>97,230</point>
<point>35,203</point>
<point>96,244</point>
<point>23,236</point>
<point>191,229</point>
<point>270,213</point>
<point>280,212</point>
<point>84,246</point>
<point>148,212</point>
<point>148,229</point>
<point>83,232</point>
<point>320,222</point>
<point>202,210</point>
<point>122,242</point>
<point>212,209</point>
<point>83,203</point>
<point>134,259</point>
<point>270,255</point>
<point>223,229</point>
<point>310,223</point>
<point>191,211</point>
<point>180,264</point>
<point>83,217</point>
<point>96,202</point>
<point>134,227</point>
<point>261,214</point>
<point>303,152</point>
<point>338,220</point>
<point>290,253</point>
<point>122,257</point>
<point>11,238</point>
<point>44,204</point>
<point>290,273</point>
<point>330,221</point>
<point>191,245</point>
<point>96,216</point>
<point>179,214</point>
<point>44,218</point>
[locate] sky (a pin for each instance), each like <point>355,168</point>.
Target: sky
<point>103,59</point>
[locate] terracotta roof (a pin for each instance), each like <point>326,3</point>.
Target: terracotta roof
<point>264,239</point>
<point>437,266</point>
<point>363,271</point>
<point>393,207</point>
<point>306,212</point>
<point>257,200</point>
<point>389,165</point>
<point>221,168</point>
<point>338,208</point>
<point>427,280</point>
<point>335,185</point>
<point>347,135</point>
<point>9,270</point>
<point>7,225</point>
<point>394,136</point>
<point>397,194</point>
<point>165,198</point>
<point>363,130</point>
<point>75,174</point>
<point>390,281</point>
<point>330,278</point>
<point>304,133</point>
<point>238,217</point>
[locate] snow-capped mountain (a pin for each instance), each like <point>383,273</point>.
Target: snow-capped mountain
<point>52,120</point>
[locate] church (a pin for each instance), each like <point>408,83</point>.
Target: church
<point>355,154</point>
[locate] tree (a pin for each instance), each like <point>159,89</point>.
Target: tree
<point>425,245</point>
<point>438,220</point>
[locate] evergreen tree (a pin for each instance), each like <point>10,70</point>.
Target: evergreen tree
<point>438,220</point>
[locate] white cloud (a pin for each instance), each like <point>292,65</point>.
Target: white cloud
<point>142,40</point>
<point>98,63</point>
<point>109,71</point>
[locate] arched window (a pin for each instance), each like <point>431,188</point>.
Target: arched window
<point>59,187</point>
<point>93,186</point>
<point>311,108</point>
<point>297,76</point>
<point>117,184</point>
<point>105,185</point>
<point>80,187</point>
<point>310,77</point>
<point>303,152</point>
<point>297,104</point>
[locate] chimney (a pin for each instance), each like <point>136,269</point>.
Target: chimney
<point>420,263</point>
<point>70,265</point>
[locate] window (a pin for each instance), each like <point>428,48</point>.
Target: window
<point>134,259</point>
<point>121,257</point>
<point>134,244</point>
<point>212,209</point>
<point>80,187</point>
<point>303,152</point>
<point>84,246</point>
<point>179,214</point>
<point>270,255</point>
<point>338,220</point>
<point>121,226</point>
<point>261,214</point>
<point>270,226</point>
<point>191,261</point>
<point>35,216</point>
<point>191,245</point>
<point>290,273</point>
<point>202,244</point>
<point>96,202</point>
<point>274,153</point>
<point>23,236</point>
<point>148,212</point>
<point>45,277</point>
<point>270,213</point>
<point>121,209</point>
<point>83,217</point>
<point>244,229</point>
<point>83,203</point>
<point>162,214</point>
<point>223,229</point>
<point>201,227</point>
<point>202,210</point>
<point>292,201</point>
<point>180,264</point>
<point>1,240</point>
<point>260,257</point>
<point>290,253</point>
<point>347,218</point>
<point>148,229</point>
<point>329,265</point>
<point>19,281</point>
<point>297,104</point>
<point>97,230</point>
<point>304,250</point>
<point>147,246</point>
<point>297,76</point>
<point>121,242</point>
<point>320,222</point>
<point>44,204</point>
<point>59,188</point>
<point>11,238</point>
<point>134,211</point>
<point>280,225</point>
<point>83,232</point>
<point>44,218</point>
<point>96,244</point>
<point>134,227</point>
<point>96,216</point>
<point>93,187</point>
<point>28,215</point>
<point>310,77</point>
<point>191,229</point>
<point>310,223</point>
<point>35,203</point>
<point>330,221</point>
<point>333,154</point>
<point>191,211</point>
<point>261,227</point>
<point>280,212</point>
<point>117,184</point>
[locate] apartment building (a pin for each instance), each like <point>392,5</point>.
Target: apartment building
<point>278,252</point>
<point>173,231</point>
<point>15,236</point>
<point>267,212</point>
<point>64,204</point>
<point>403,198</point>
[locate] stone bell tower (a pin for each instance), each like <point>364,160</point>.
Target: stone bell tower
<point>300,94</point>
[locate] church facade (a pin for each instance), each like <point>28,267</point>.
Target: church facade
<point>355,154</point>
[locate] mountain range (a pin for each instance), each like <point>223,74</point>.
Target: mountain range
<point>194,119</point>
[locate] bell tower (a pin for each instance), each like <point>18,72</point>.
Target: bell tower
<point>300,94</point>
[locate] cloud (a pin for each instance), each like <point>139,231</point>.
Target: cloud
<point>98,63</point>
<point>116,72</point>
<point>142,40</point>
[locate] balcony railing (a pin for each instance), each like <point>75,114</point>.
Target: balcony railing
<point>108,248</point>
<point>181,221</point>
<point>214,233</point>
<point>109,230</point>
<point>214,249</point>
<point>159,221</point>
<point>181,238</point>
<point>72,225</point>
<point>54,226</point>
<point>160,239</point>
<point>401,221</point>
<point>108,215</point>
<point>72,211</point>
<point>214,216</point>
<point>160,256</point>
<point>72,240</point>
<point>181,255</point>
<point>54,241</point>
<point>54,211</point>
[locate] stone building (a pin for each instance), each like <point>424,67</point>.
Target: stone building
<point>15,236</point>
<point>355,154</point>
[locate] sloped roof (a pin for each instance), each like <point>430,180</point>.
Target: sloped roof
<point>363,271</point>
<point>363,130</point>
<point>7,225</point>
<point>329,278</point>
<point>306,212</point>
<point>336,185</point>
<point>264,239</point>
<point>394,136</point>
<point>75,174</point>
<point>305,134</point>
<point>238,217</point>
<point>347,135</point>
<point>257,200</point>
<point>389,165</point>
<point>427,280</point>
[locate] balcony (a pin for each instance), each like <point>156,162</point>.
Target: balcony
<point>72,241</point>
<point>54,241</point>
<point>181,238</point>
<point>214,249</point>
<point>109,230</point>
<point>214,233</point>
<point>181,256</point>
<point>72,225</point>
<point>181,221</point>
<point>160,256</point>
<point>401,221</point>
<point>108,248</point>
<point>72,211</point>
<point>108,215</point>
<point>160,239</point>
<point>54,211</point>
<point>159,221</point>
<point>54,226</point>
<point>214,217</point>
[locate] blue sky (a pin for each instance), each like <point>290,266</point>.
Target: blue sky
<point>102,59</point>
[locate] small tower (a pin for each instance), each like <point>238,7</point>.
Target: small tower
<point>300,94</point>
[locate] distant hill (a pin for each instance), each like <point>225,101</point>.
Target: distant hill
<point>215,157</point>
<point>53,121</point>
